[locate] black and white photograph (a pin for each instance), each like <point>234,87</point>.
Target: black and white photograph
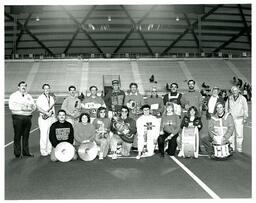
<point>127,100</point>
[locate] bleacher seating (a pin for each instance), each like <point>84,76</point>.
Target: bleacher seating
<point>60,74</point>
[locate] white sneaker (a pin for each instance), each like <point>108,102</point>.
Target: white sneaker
<point>239,150</point>
<point>114,156</point>
<point>101,156</point>
<point>138,157</point>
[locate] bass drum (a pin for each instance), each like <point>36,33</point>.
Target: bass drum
<point>88,151</point>
<point>64,151</point>
<point>190,142</point>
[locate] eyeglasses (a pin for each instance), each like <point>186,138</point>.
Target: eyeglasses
<point>102,111</point>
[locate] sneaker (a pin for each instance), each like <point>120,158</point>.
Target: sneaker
<point>114,156</point>
<point>138,157</point>
<point>101,156</point>
<point>239,150</point>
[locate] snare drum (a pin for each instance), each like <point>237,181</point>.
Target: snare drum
<point>222,151</point>
<point>190,142</point>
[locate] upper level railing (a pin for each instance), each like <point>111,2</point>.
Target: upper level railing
<point>131,55</point>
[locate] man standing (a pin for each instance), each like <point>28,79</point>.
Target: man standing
<point>22,105</point>
<point>212,101</point>
<point>61,131</point>
<point>237,106</point>
<point>155,102</point>
<point>174,97</point>
<point>91,103</point>
<point>72,106</point>
<point>45,105</point>
<point>192,97</point>
<point>114,99</point>
<point>134,101</point>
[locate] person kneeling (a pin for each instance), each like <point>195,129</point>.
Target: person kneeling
<point>102,127</point>
<point>123,129</point>
<point>148,128</point>
<point>220,129</point>
<point>170,126</point>
<point>61,131</point>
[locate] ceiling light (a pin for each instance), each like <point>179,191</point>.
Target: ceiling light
<point>91,26</point>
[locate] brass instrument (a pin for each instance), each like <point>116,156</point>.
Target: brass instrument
<point>123,130</point>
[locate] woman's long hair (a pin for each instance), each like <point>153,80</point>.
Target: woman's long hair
<point>102,108</point>
<point>195,109</point>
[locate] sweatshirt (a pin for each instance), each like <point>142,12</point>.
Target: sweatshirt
<point>156,105</point>
<point>221,126</point>
<point>90,105</point>
<point>170,124</point>
<point>61,132</point>
<point>83,132</point>
<point>192,98</point>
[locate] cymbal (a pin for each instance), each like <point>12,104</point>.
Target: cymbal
<point>88,151</point>
<point>64,151</point>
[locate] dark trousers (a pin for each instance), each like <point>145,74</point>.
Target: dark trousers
<point>172,144</point>
<point>207,143</point>
<point>22,126</point>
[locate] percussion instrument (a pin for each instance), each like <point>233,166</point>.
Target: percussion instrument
<point>190,142</point>
<point>64,151</point>
<point>88,151</point>
<point>221,151</point>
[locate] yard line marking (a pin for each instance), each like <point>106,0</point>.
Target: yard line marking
<point>196,179</point>
<point>12,141</point>
<point>8,144</point>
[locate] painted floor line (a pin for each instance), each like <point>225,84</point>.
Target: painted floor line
<point>12,141</point>
<point>196,179</point>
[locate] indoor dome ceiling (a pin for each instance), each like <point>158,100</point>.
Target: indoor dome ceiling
<point>119,29</point>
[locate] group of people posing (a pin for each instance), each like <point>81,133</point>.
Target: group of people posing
<point>126,119</point>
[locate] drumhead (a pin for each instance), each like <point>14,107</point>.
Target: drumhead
<point>64,151</point>
<point>190,142</point>
<point>88,151</point>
